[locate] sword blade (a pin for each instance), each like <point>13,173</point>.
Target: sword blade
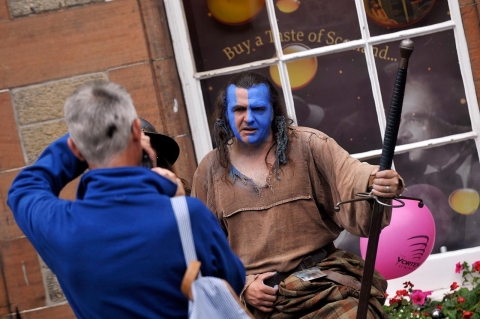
<point>388,149</point>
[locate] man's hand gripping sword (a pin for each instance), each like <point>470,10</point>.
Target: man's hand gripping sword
<point>390,140</point>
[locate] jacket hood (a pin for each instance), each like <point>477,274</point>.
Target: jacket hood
<point>119,180</point>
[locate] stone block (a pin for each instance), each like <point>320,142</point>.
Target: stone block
<point>174,115</point>
<point>138,81</point>
<point>62,311</point>
<point>72,42</point>
<point>11,154</point>
<point>22,274</point>
<point>4,13</point>
<point>8,227</point>
<point>4,306</point>
<point>37,137</point>
<point>54,293</point>
<point>472,33</point>
<point>477,89</point>
<point>21,8</point>
<point>171,103</point>
<point>156,29</point>
<point>72,3</point>
<point>45,102</point>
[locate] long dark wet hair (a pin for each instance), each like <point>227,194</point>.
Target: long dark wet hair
<point>223,134</point>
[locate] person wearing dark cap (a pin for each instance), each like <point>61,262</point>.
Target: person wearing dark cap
<point>166,148</point>
<point>116,250</point>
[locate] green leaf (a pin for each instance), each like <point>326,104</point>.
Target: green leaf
<point>450,313</point>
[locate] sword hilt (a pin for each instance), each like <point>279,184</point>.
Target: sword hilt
<point>395,112</point>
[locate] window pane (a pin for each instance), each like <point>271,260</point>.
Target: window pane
<point>339,102</point>
<point>447,178</point>
<point>320,23</point>
<point>331,93</point>
<point>228,33</point>
<point>387,16</point>
<point>435,101</point>
<point>210,89</point>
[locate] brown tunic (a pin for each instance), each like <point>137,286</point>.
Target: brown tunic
<point>271,227</point>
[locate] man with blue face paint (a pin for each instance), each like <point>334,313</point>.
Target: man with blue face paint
<point>249,113</point>
<point>273,188</point>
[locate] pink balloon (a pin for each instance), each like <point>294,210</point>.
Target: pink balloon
<point>406,243</point>
<point>438,204</point>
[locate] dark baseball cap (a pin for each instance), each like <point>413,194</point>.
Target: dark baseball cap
<point>164,145</point>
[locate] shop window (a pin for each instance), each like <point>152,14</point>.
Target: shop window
<point>335,61</point>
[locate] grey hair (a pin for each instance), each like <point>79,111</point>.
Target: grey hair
<point>99,118</point>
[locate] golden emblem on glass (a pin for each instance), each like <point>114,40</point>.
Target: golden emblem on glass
<point>397,13</point>
<point>300,72</point>
<point>235,12</point>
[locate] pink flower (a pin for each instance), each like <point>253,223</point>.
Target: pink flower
<point>418,297</point>
<point>454,286</point>
<point>458,267</point>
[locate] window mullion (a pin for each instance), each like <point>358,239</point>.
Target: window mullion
<point>192,91</point>
<point>429,29</point>
<point>340,47</point>
<point>282,67</point>
<point>399,149</point>
<point>371,65</point>
<point>236,68</point>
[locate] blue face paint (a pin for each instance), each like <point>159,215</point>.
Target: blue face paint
<point>250,113</point>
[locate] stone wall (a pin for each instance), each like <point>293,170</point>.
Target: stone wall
<point>47,49</point>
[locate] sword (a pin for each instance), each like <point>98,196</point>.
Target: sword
<point>388,148</point>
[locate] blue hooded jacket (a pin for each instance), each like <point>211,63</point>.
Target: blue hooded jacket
<point>116,249</point>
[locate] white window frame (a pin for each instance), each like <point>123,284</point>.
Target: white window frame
<point>190,80</point>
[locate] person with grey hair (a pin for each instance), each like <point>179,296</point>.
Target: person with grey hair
<point>116,249</point>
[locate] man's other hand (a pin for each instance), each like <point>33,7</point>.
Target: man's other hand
<point>171,176</point>
<point>260,295</point>
<point>147,147</point>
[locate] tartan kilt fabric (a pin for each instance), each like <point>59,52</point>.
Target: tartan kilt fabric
<point>322,298</point>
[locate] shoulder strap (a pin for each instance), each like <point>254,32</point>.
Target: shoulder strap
<point>180,208</point>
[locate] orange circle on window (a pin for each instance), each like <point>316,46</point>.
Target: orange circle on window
<point>288,6</point>
<point>300,72</point>
<point>235,12</point>
<point>464,201</point>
